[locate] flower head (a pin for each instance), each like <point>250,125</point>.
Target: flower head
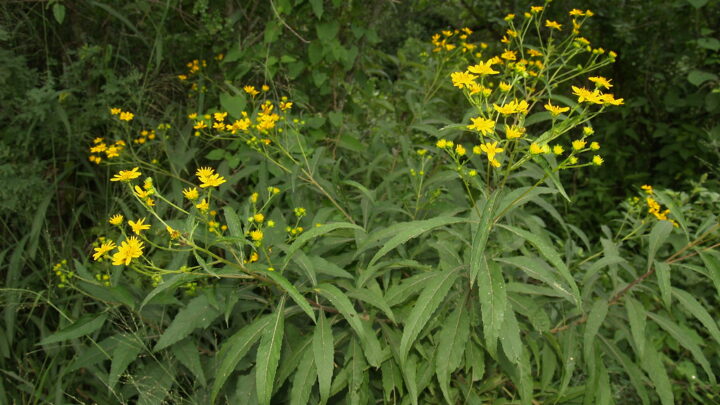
<point>462,79</point>
<point>191,193</point>
<point>256,235</point>
<point>126,116</point>
<point>203,205</point>
<point>601,81</point>
<point>116,219</point>
<point>555,110</point>
<point>553,25</point>
<point>482,68</point>
<point>130,248</point>
<point>213,180</point>
<point>491,150</point>
<point>482,125</point>
<point>598,160</point>
<point>103,249</point>
<point>513,132</point>
<point>578,144</point>
<point>127,175</point>
<point>139,226</point>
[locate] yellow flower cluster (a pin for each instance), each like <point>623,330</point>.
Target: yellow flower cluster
<point>449,40</point>
<point>654,208</point>
<point>110,150</point>
<point>122,115</point>
<point>208,177</point>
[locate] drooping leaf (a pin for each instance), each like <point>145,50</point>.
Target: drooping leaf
<point>83,326</point>
<point>187,353</point>
<point>658,375</point>
<point>124,354</point>
<point>304,380</point>
<point>636,316</point>
<point>662,270</point>
<point>592,326</point>
<point>199,313</point>
<point>493,301</point>
<point>659,233</point>
<point>291,290</point>
<point>477,251</point>
<point>510,336</point>
<point>451,346</point>
<point>268,354</point>
<point>539,270</point>
<point>324,351</point>
<point>693,307</point>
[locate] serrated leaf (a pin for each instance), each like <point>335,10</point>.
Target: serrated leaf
<point>324,351</point>
<point>303,380</point>
<point>373,298</point>
<point>510,336</point>
<point>426,304</point>
<point>693,307</point>
<point>592,326</point>
<point>659,233</point>
<point>552,256</point>
<point>637,378</point>
<point>291,290</point>
<point>539,270</point>
<point>83,326</point>
<point>199,313</point>
<point>409,368</point>
<point>410,286</point>
<point>485,224</point>
<point>451,344</point>
<point>234,226</point>
<point>123,355</point>
<point>636,316</point>
<point>358,373</point>
<point>268,354</point>
<point>662,270</point>
<point>346,309</point>
<point>412,230</point>
<point>685,341</point>
<point>658,375</point>
<point>187,353</point>
<point>493,301</point>
<point>234,349</point>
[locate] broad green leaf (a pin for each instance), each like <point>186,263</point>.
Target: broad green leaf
<point>391,379</point>
<point>636,316</point>
<point>592,326</point>
<point>477,250</point>
<point>234,349</point>
<point>659,233</point>
<point>124,354</point>
<point>712,264</point>
<point>316,232</point>
<point>83,326</point>
<point>426,304</point>
<point>412,230</point>
<point>493,301</point>
<point>686,340</point>
<point>187,353</point>
<point>662,270</point>
<point>153,382</point>
<point>234,226</point>
<point>551,255</point>
<point>698,77</point>
<point>373,298</point>
<point>234,105</point>
<point>539,270</point>
<point>291,290</point>
<point>268,354</point>
<point>696,309</point>
<point>304,380</point>
<point>451,344</point>
<point>658,375</point>
<point>199,313</point>
<point>410,286</point>
<point>324,350</point>
<point>344,306</point>
<point>317,7</point>
<point>510,336</point>
<point>358,373</point>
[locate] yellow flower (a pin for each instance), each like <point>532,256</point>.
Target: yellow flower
<point>220,116</point>
<point>254,197</point>
<point>558,150</point>
<point>482,68</point>
<point>259,218</point>
<point>115,111</point>
<point>587,95</point>
<point>594,146</point>
<point>143,193</point>
<point>139,226</point>
<point>126,116</point>
<point>512,107</point>
<point>130,248</point>
<point>285,105</point>
<point>513,132</point>
<point>265,87</point>
<point>610,99</point>
<point>256,235</point>
<point>200,125</point>
<point>204,172</point>
<point>648,189</point>
<point>536,149</point>
<point>442,144</point>
<point>104,248</point>
<point>556,110</point>
<point>482,125</point>
<point>553,25</point>
<point>203,205</point>
<point>462,79</point>
<point>271,223</point>
<point>578,144</point>
<point>509,55</point>
<point>460,150</point>
<point>509,17</point>
<point>588,131</point>
<point>116,219</point>
<point>536,9</point>
<point>254,257</point>
<point>191,193</point>
<point>251,90</point>
<point>534,53</point>
<point>597,160</point>
<point>576,12</point>
<point>212,181</point>
<point>491,150</point>
<point>174,234</point>
<point>504,87</point>
<point>601,81</point>
<point>127,175</point>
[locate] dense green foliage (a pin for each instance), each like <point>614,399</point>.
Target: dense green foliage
<point>390,267</point>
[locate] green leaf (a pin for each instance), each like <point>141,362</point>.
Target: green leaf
<point>662,270</point>
<point>187,353</point>
<point>592,326</point>
<point>510,336</point>
<point>124,354</point>
<point>698,77</point>
<point>551,255</point>
<point>58,11</point>
<point>373,298</point>
<point>636,316</point>
<point>346,309</point>
<point>410,374</point>
<point>637,378</point>
<point>291,290</point>
<point>426,304</point>
<point>712,44</point>
<point>358,372</point>
<point>268,354</point>
<point>539,270</point>
<point>199,313</point>
<point>477,250</point>
<point>83,326</point>
<point>234,349</point>
<point>234,105</point>
<point>216,154</point>
<point>314,233</point>
<point>399,293</point>
<point>451,344</point>
<point>170,282</point>
<point>324,350</point>
<point>693,307</point>
<point>493,301</point>
<point>409,231</point>
<point>658,375</point>
<point>317,7</point>
<point>303,380</point>
<point>327,31</point>
<point>661,230</point>
<point>234,226</point>
<point>686,340</point>
<point>697,3</point>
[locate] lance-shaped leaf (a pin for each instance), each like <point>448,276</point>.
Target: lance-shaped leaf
<point>199,313</point>
<point>83,326</point>
<point>592,326</point>
<point>493,301</point>
<point>451,346</point>
<point>291,290</point>
<point>324,351</point>
<point>268,354</point>
<point>479,241</point>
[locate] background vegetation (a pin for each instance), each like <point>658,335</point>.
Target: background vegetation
<point>367,92</point>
